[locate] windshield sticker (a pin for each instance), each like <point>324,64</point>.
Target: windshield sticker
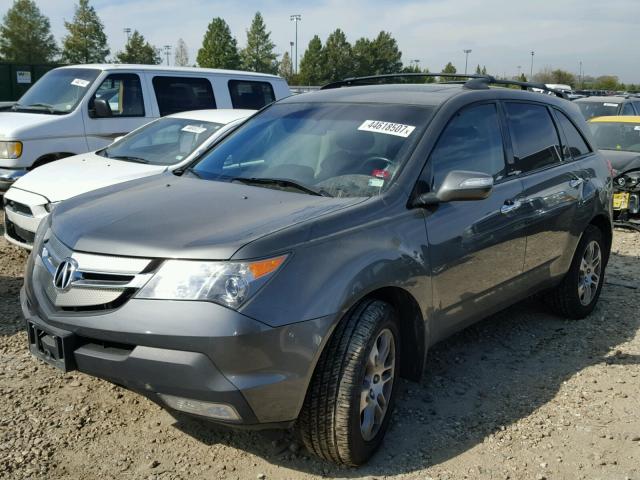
<point>193,129</point>
<point>79,82</point>
<point>637,127</point>
<point>376,182</point>
<point>389,128</point>
<point>610,104</point>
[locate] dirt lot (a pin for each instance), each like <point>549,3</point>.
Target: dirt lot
<point>521,395</point>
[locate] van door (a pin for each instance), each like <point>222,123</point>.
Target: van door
<point>476,248</point>
<point>128,106</point>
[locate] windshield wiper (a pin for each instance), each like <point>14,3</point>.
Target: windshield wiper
<point>49,108</point>
<point>128,158</point>
<point>283,182</point>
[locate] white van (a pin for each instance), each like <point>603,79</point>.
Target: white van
<point>82,108</point>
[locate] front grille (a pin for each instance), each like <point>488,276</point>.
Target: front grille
<point>100,281</point>
<point>19,234</point>
<point>18,207</point>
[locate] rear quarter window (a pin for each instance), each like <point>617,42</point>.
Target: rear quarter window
<point>249,94</point>
<point>180,94</point>
<point>533,135</point>
<point>575,143</point>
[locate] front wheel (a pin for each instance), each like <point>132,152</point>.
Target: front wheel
<point>348,405</point>
<point>576,296</point>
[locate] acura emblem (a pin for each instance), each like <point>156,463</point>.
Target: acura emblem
<point>65,274</point>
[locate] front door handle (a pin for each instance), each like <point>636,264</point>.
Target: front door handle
<point>576,182</point>
<point>510,206</point>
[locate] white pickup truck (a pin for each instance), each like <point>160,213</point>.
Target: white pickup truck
<point>78,109</point>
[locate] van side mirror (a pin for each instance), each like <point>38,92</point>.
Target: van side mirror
<point>101,108</point>
<point>458,185</point>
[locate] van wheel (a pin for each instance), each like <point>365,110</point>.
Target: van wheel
<point>577,295</point>
<point>350,399</point>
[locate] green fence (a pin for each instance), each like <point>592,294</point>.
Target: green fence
<point>15,79</point>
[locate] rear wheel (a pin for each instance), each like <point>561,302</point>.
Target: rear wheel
<point>349,402</point>
<point>577,295</point>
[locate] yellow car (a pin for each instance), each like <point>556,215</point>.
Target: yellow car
<point>618,138</point>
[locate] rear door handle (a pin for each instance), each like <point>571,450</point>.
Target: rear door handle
<point>576,182</point>
<point>510,206</point>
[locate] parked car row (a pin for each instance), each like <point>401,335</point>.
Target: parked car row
<point>77,109</point>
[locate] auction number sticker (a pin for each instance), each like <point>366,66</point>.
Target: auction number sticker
<point>637,127</point>
<point>193,129</point>
<point>389,128</point>
<point>79,82</point>
<point>611,104</point>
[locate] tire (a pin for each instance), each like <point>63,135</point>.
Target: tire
<point>330,420</point>
<point>568,299</point>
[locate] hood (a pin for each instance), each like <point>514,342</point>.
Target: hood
<point>622,161</point>
<point>75,175</point>
<point>182,217</point>
<point>27,126</point>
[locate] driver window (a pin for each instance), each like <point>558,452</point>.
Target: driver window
<point>471,141</point>
<point>123,94</point>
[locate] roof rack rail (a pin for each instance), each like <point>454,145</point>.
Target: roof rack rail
<point>474,82</point>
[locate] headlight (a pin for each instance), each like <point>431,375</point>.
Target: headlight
<point>42,233</point>
<point>10,149</point>
<point>226,283</point>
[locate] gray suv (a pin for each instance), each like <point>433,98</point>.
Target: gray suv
<point>311,257</point>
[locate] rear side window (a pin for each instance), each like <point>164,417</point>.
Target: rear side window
<point>575,144</point>
<point>251,95</point>
<point>123,94</point>
<point>534,136</point>
<point>471,141</point>
<point>627,109</point>
<point>180,94</point>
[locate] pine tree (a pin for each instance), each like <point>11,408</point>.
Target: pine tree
<point>219,48</point>
<point>385,54</point>
<point>258,55</point>
<point>448,68</point>
<point>338,56</point>
<point>138,50</point>
<point>25,35</point>
<point>313,64</point>
<point>86,41</point>
<point>285,69</point>
<point>363,56</point>
<point>181,56</point>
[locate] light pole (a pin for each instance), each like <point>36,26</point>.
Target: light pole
<point>580,75</point>
<point>519,68</point>
<point>466,59</point>
<point>291,45</point>
<point>167,51</point>
<point>127,32</point>
<point>531,73</point>
<point>296,18</point>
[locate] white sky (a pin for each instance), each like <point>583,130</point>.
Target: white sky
<point>501,33</point>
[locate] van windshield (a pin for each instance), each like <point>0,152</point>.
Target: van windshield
<point>58,91</point>
<point>334,149</point>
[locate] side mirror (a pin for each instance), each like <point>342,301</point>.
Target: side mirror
<point>101,108</point>
<point>458,185</point>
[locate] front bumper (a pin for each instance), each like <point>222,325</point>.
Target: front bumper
<point>194,350</point>
<point>8,176</point>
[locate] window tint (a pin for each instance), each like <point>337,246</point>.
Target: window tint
<point>534,136</point>
<point>627,109</point>
<point>637,107</point>
<point>576,146</point>
<point>180,94</point>
<point>123,94</point>
<point>471,141</point>
<point>250,94</point>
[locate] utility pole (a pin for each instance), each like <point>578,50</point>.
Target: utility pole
<point>519,68</point>
<point>127,32</point>
<point>466,59</point>
<point>580,76</point>
<point>296,18</point>
<point>531,74</point>
<point>167,51</point>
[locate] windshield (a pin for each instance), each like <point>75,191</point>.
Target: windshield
<point>58,91</point>
<point>337,149</point>
<point>164,142</point>
<point>617,135</point>
<point>598,109</point>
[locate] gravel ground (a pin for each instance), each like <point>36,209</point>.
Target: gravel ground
<point>523,394</point>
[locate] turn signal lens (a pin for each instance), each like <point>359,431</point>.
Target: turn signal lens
<point>265,267</point>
